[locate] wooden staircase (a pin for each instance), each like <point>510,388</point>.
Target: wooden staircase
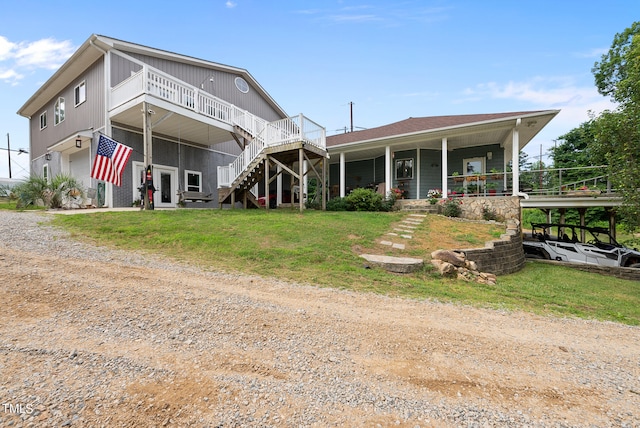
<point>240,189</point>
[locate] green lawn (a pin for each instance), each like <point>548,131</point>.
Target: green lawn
<point>319,248</point>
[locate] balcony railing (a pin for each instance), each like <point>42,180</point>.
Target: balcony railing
<point>265,134</point>
<point>591,180</point>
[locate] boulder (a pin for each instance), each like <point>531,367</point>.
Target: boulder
<point>453,257</point>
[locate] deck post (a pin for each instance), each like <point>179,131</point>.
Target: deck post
<point>266,184</point>
<point>324,184</point>
<point>300,176</point>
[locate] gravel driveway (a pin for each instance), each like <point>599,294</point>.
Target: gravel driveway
<point>97,337</point>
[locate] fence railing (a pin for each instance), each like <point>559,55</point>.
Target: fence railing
<point>590,180</point>
<point>264,134</point>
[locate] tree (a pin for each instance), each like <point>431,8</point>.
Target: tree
<point>617,133</point>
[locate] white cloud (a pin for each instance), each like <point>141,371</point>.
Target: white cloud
<point>6,48</point>
<point>48,54</point>
<point>230,4</point>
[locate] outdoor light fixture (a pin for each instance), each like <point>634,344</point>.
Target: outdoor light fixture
<point>48,156</point>
<point>78,143</point>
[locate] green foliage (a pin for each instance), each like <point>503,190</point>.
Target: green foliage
<point>318,248</point>
<point>62,190</point>
<point>362,199</point>
<point>617,134</point>
<point>451,207</point>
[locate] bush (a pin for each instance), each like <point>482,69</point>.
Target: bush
<point>337,204</point>
<point>62,190</point>
<point>362,200</point>
<point>451,207</point>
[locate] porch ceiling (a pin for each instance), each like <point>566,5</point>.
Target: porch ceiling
<point>175,123</point>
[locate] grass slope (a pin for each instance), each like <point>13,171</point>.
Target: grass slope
<point>322,248</point>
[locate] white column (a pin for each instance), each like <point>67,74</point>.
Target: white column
<point>445,167</point>
<point>387,170</point>
<point>515,165</point>
<point>418,196</point>
<point>342,175</point>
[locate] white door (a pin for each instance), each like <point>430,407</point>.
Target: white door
<point>165,179</point>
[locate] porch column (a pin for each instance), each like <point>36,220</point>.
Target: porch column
<point>342,175</point>
<point>515,164</point>
<point>418,174</point>
<point>387,170</point>
<point>266,184</point>
<point>445,167</point>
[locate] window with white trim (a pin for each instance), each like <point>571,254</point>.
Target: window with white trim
<point>43,120</point>
<point>193,180</point>
<point>80,94</point>
<point>58,111</point>
<point>404,169</point>
<point>473,166</point>
<point>45,172</point>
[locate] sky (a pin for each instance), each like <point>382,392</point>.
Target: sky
<point>391,59</point>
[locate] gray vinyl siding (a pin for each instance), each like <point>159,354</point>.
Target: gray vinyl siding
<point>430,171</point>
<point>457,157</point>
<point>411,184</point>
<point>89,114</point>
<point>223,85</point>
<point>166,153</point>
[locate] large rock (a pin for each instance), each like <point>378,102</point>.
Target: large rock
<point>453,257</point>
<point>444,268</point>
<point>394,264</point>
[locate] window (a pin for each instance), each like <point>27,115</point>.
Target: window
<point>473,166</point>
<point>45,172</point>
<point>242,85</point>
<point>80,94</point>
<point>193,180</point>
<point>404,169</point>
<point>43,120</point>
<point>58,111</point>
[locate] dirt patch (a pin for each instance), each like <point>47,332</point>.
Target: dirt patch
<point>88,344</point>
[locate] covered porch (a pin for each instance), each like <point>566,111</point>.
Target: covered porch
<point>419,154</point>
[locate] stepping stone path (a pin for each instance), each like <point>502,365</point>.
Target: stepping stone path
<point>403,231</point>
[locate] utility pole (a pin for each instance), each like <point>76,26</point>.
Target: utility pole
<point>9,154</point>
<point>351,108</point>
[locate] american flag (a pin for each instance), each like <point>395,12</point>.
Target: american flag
<point>110,161</point>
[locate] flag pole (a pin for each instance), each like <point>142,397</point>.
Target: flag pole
<point>148,153</point>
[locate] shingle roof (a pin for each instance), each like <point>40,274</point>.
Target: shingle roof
<point>419,124</point>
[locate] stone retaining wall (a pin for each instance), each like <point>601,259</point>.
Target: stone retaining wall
<point>631,274</point>
<point>500,257</point>
<point>504,207</point>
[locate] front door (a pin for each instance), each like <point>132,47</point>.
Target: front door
<point>165,179</point>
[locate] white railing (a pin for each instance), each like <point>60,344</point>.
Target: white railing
<point>265,134</point>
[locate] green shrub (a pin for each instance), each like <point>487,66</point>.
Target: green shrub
<point>337,204</point>
<point>451,207</point>
<point>364,200</point>
<point>63,189</point>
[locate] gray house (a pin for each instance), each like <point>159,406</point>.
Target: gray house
<point>448,153</point>
<point>206,128</point>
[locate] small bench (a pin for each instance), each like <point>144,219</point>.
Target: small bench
<point>191,196</point>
